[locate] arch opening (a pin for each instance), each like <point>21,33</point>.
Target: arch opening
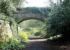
<point>33,28</point>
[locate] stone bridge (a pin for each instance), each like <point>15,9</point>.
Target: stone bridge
<point>29,13</point>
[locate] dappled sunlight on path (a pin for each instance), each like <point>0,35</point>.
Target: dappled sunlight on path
<point>37,40</point>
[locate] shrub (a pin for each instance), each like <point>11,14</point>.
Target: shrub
<point>24,36</point>
<point>12,44</point>
<point>58,21</point>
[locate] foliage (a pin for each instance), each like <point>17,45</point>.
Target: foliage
<point>24,36</point>
<point>13,44</point>
<point>32,23</point>
<point>7,7</point>
<point>34,27</point>
<point>7,40</point>
<point>58,21</point>
<point>37,31</point>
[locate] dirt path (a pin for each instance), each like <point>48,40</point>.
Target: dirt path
<point>37,44</point>
<point>40,44</point>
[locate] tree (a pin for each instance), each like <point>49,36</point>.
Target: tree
<point>7,7</point>
<point>59,19</point>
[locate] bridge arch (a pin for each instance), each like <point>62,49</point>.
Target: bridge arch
<point>29,18</point>
<point>30,13</point>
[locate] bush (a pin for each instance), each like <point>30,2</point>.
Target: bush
<point>24,36</point>
<point>37,33</point>
<point>12,44</point>
<point>58,21</point>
